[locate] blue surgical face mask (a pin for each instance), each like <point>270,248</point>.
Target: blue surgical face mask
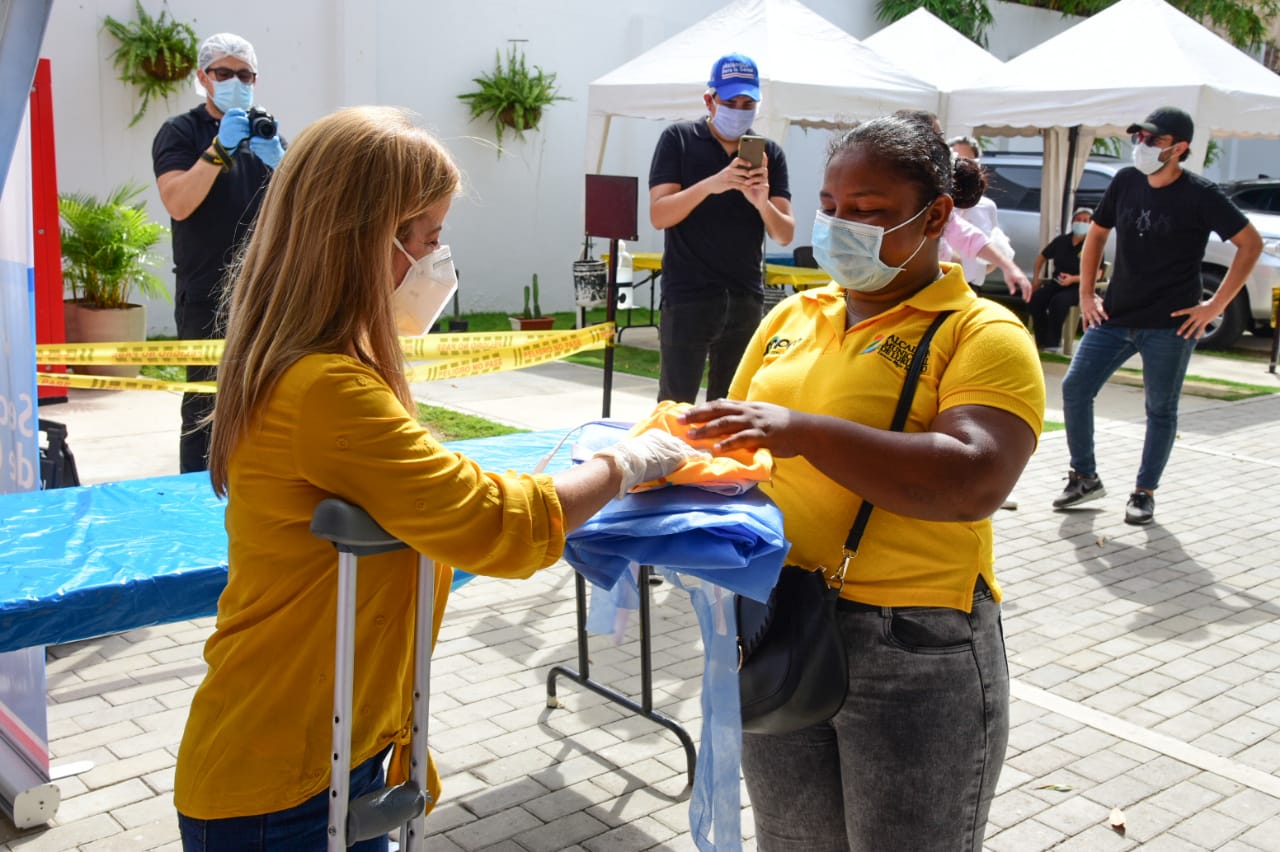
<point>1080,229</point>
<point>850,252</point>
<point>733,123</point>
<point>232,94</point>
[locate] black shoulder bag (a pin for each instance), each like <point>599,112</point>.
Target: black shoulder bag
<point>792,665</point>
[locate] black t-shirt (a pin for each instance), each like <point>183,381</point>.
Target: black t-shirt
<point>719,246</point>
<point>1065,256</point>
<point>205,242</point>
<point>1160,238</point>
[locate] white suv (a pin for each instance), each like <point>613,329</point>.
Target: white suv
<point>1014,185</point>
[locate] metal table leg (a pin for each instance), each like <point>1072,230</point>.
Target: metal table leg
<point>583,675</point>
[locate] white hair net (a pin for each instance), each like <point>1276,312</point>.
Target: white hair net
<point>226,44</point>
<point>220,45</point>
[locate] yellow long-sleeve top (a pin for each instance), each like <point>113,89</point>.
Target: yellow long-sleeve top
<point>258,736</point>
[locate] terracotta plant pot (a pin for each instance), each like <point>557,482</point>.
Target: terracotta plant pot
<point>532,323</point>
<point>531,119</point>
<point>162,69</point>
<point>87,324</point>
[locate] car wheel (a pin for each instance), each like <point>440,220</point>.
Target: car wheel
<point>1222,332</point>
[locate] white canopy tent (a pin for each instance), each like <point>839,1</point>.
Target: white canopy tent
<point>812,74</point>
<point>932,50</point>
<point>1109,71</point>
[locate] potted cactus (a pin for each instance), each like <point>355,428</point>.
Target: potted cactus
<point>531,318</point>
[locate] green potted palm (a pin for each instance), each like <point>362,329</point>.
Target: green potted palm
<point>531,318</point>
<point>156,54</point>
<point>512,96</point>
<point>106,255</point>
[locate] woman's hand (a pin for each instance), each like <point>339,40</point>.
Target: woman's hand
<point>747,425</point>
<point>1016,280</point>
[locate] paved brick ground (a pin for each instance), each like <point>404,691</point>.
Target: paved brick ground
<point>1145,665</point>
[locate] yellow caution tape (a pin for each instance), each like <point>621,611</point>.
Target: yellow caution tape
<point>473,354</point>
<point>157,353</point>
<point>542,346</point>
<point>70,380</point>
<point>209,352</point>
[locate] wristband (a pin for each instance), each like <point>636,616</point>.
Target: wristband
<point>215,159</point>
<point>222,153</point>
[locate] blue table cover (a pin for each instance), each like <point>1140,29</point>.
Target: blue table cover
<point>82,562</point>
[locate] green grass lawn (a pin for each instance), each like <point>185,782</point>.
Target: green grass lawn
<point>449,425</point>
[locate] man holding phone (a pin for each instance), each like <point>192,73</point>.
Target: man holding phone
<point>716,189</point>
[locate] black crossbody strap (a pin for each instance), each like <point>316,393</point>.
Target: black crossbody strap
<point>899,420</point>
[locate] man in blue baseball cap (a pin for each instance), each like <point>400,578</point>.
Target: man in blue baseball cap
<point>715,208</point>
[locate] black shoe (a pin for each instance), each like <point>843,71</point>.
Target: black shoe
<point>1080,489</point>
<point>1141,508</point>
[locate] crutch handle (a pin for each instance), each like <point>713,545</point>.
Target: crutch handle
<point>351,529</point>
<point>377,813</point>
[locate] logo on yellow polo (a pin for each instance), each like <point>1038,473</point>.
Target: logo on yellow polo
<point>893,349</point>
<point>778,345</point>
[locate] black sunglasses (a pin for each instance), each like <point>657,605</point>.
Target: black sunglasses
<point>244,75</point>
<point>1142,137</point>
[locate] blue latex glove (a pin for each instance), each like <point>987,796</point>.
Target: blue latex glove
<point>268,151</point>
<point>234,129</point>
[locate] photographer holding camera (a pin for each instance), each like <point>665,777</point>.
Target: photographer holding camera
<point>212,165</point>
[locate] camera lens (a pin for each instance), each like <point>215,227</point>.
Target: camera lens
<point>261,123</point>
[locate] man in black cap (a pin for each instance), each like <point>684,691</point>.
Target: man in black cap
<point>715,209</point>
<point>1162,215</point>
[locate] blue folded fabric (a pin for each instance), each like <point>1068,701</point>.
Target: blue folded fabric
<point>732,543</point>
<point>735,542</point>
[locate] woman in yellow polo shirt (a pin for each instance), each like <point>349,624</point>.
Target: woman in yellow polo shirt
<point>912,758</point>
<point>313,403</point>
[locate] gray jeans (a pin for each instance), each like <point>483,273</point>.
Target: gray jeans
<point>912,759</point>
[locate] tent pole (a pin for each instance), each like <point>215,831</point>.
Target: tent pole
<point>1073,141</point>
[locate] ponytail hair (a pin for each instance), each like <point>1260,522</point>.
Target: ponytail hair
<point>968,182</point>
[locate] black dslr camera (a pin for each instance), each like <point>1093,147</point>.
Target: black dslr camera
<point>262,123</point>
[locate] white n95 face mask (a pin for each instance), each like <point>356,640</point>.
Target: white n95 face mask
<point>1147,159</point>
<point>426,287</point>
<point>850,252</point>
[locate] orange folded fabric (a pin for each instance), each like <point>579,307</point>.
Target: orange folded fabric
<point>731,473</point>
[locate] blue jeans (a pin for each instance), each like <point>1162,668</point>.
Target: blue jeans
<point>1103,349</point>
<point>302,828</point>
<point>689,332</point>
<point>911,760</point>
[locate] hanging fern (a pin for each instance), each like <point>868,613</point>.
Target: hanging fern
<point>155,54</point>
<point>512,96</point>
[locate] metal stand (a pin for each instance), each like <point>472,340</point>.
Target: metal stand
<point>611,213</point>
<point>583,675</point>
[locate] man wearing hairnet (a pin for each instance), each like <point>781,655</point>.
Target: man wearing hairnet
<point>212,164</point>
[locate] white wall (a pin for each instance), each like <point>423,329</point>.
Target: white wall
<point>522,213</point>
